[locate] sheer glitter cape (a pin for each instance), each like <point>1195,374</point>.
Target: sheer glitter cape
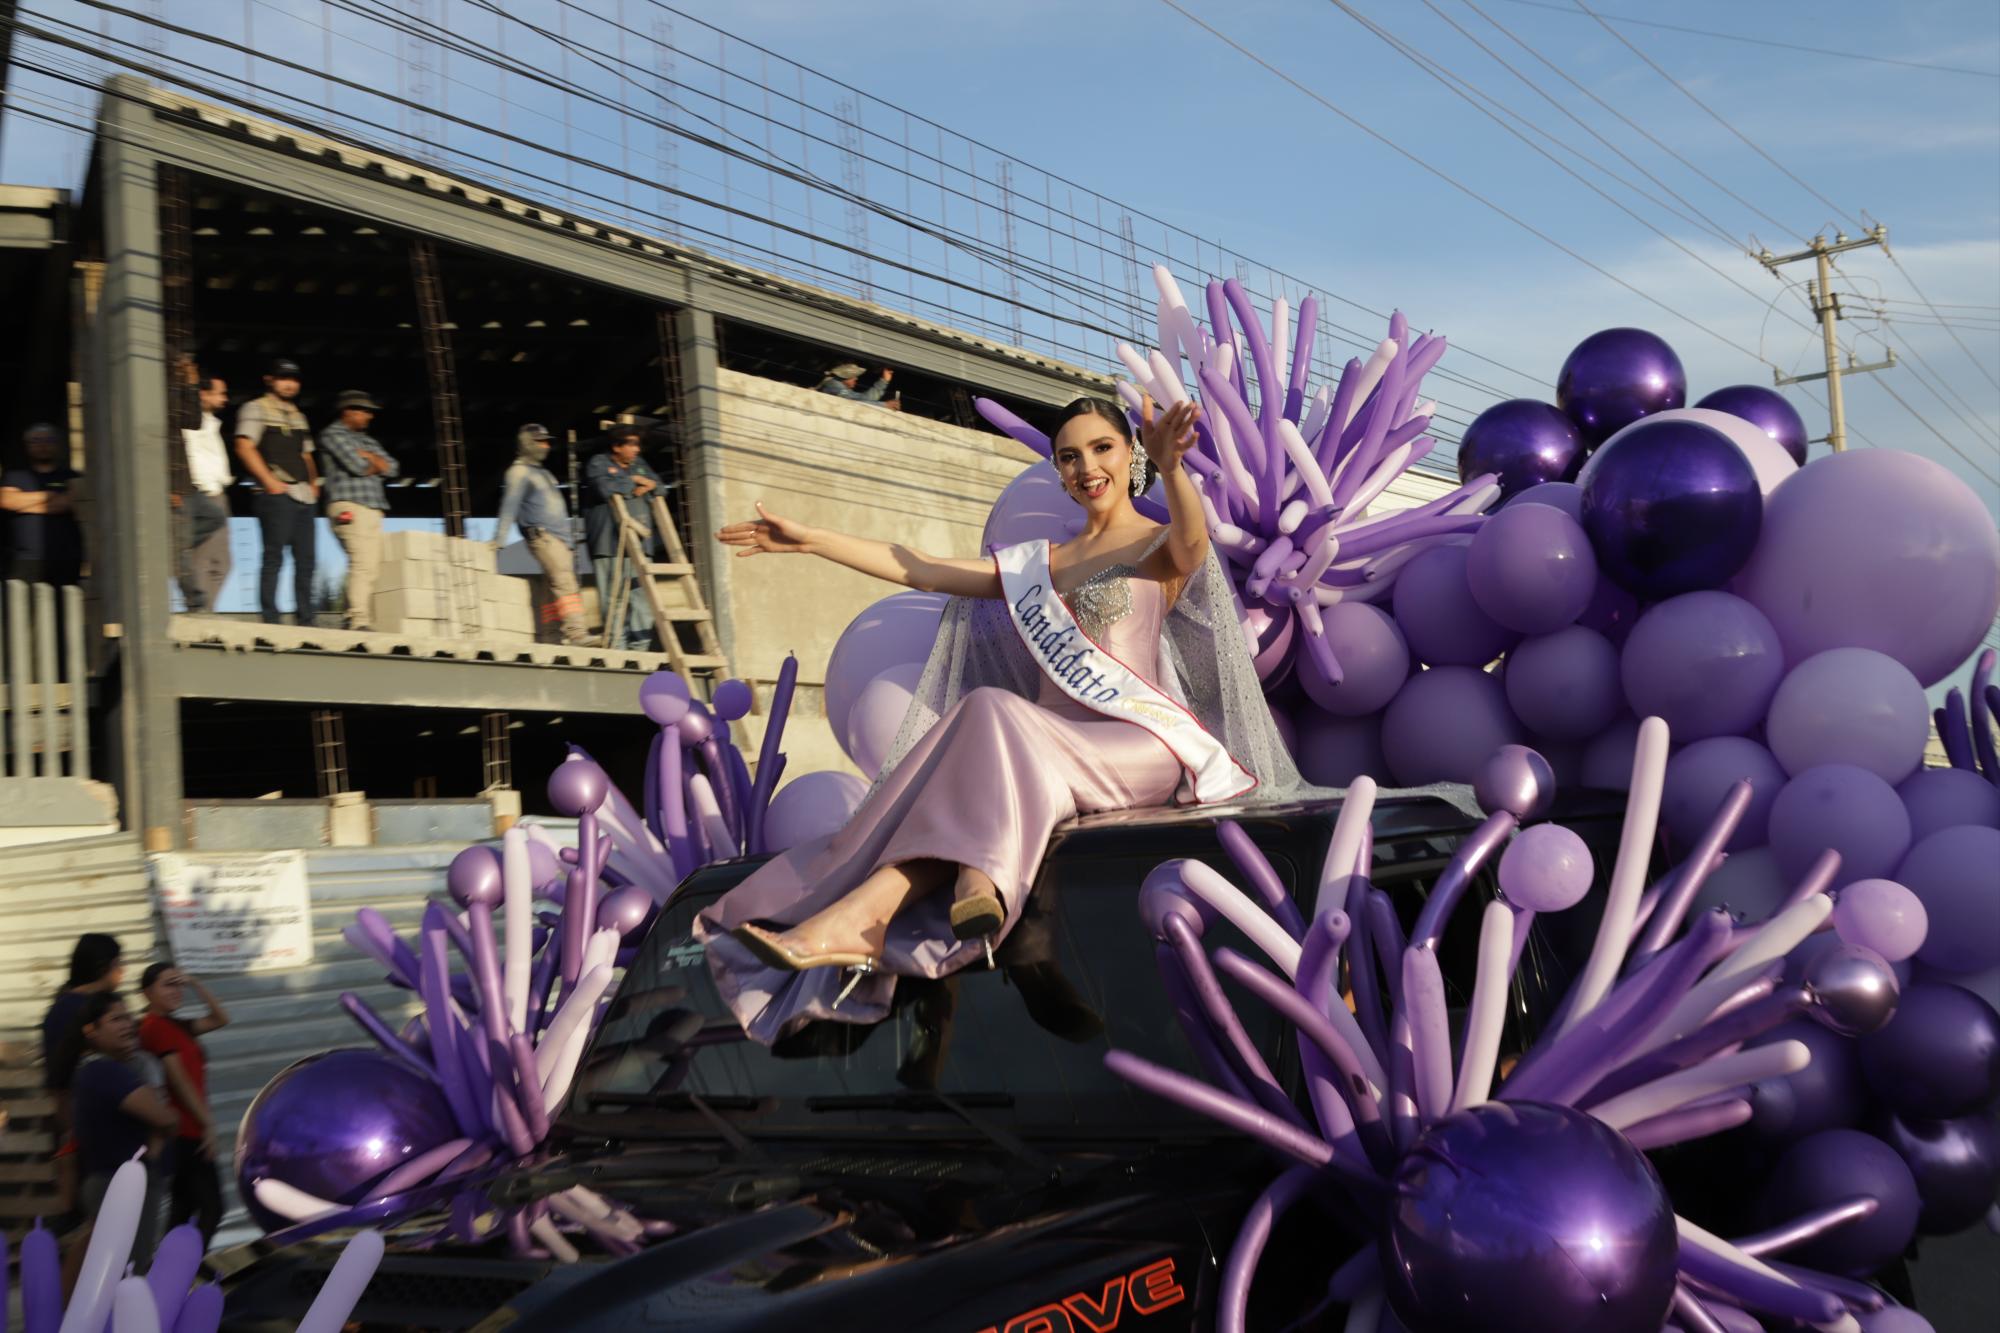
<point>1204,665</point>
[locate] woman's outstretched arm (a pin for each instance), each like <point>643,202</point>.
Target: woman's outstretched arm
<point>1166,436</point>
<point>769,534</point>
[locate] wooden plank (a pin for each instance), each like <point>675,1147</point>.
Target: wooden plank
<point>27,1173</point>
<point>22,1143</point>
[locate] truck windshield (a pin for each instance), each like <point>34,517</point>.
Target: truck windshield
<point>1022,1044</point>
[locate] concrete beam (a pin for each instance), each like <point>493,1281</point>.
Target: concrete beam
<point>318,171</point>
<point>333,679</point>
<point>129,450</point>
<point>701,467</point>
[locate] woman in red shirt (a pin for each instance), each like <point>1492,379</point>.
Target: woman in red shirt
<point>197,1190</point>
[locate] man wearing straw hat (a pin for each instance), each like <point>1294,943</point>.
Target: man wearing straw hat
<point>844,381</point>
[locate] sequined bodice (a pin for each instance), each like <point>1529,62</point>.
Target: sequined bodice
<point>1121,612</point>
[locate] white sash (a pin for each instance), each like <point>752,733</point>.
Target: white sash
<point>1100,682</point>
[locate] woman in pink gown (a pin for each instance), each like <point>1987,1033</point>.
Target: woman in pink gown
<point>823,930</point>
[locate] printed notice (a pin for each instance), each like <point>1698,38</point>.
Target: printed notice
<point>235,911</point>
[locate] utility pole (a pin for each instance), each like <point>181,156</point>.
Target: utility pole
<point>1826,306</point>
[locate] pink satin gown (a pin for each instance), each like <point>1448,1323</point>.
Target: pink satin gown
<point>985,787</point>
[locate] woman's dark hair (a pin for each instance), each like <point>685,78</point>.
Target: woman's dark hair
<point>93,956</point>
<point>69,1053</point>
<point>1112,415</point>
<point>153,972</point>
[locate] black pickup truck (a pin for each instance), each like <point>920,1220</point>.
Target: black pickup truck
<point>967,1165</point>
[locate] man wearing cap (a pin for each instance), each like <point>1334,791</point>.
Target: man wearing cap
<point>618,476</point>
<point>275,447</point>
<point>844,381</point>
<point>44,543</point>
<point>532,497</point>
<point>356,499</point>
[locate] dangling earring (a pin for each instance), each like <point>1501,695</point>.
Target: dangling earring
<point>1138,475</point>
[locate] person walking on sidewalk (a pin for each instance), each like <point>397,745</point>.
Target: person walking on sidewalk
<point>275,446</point>
<point>356,500</point>
<point>532,498</point>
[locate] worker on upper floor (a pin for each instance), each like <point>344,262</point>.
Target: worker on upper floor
<point>844,381</point>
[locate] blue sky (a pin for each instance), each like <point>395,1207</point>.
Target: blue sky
<point>1132,99</point>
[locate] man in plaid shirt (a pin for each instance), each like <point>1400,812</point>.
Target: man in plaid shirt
<point>356,499</point>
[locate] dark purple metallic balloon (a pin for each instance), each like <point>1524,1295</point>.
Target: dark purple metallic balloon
<point>1828,1093</point>
<point>1616,376</point>
<point>1939,1057</point>
<point>1671,507</point>
<point>1525,442</point>
<point>1767,410</point>
<point>474,877</point>
<point>1956,1164</point>
<point>1516,779</point>
<point>1853,990</point>
<point>1829,1168</point>
<point>626,910</point>
<point>333,1124</point>
<point>1520,1217</point>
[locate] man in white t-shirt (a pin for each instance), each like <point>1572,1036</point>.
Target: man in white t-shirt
<point>205,560</point>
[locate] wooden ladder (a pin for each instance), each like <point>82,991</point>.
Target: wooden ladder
<point>672,590</point>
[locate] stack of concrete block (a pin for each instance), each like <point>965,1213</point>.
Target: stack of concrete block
<point>438,587</point>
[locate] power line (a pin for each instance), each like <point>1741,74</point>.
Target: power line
<point>1451,180</point>
<point>1943,439</point>
<point>1631,124</point>
<point>1717,116</point>
<point>1765,41</point>
<point>1977,364</point>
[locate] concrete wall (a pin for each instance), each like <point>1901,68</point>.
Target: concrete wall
<point>862,469</point>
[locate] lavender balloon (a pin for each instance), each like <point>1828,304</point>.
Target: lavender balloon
<point>1441,620</point>
<point>1374,661</point>
<point>1843,808</point>
<point>1699,777</point>
<point>1941,798</point>
<point>1955,872</point>
<point>1882,915</point>
<point>665,697</point>
<point>1522,442</point>
<point>1850,706</point>
<point>1671,507</point>
<point>1531,569</point>
<point>1706,662</point>
<point>1546,868</point>
<point>1767,410</point>
<point>1444,724</point>
<point>1565,686</point>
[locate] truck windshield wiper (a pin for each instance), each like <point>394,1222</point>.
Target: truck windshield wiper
<point>939,1101</point>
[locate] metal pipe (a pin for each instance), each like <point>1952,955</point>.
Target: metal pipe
<point>45,671</point>
<point>79,681</point>
<point>22,752</point>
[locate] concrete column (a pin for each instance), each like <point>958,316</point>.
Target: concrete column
<point>701,467</point>
<point>129,450</point>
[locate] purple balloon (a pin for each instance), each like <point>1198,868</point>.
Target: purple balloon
<point>1269,632</point>
<point>333,1124</point>
<point>696,725</point>
<point>877,715</point>
<point>664,696</point>
<point>1701,775</point>
<point>1843,808</point>
<point>1895,1319</point>
<point>812,805</point>
<point>1850,706</point>
<point>1524,443</point>
<point>1614,377</point>
<point>733,699</point>
<point>1828,1168</point>
<point>1939,1057</point>
<point>624,911</point>
<point>1546,868</point>
<point>1519,1217</point>
<point>1706,663</point>
<point>1564,495</point>
<point>1441,622</point>
<point>1333,751</point>
<point>1565,685</point>
<point>1956,874</point>
<point>576,786</point>
<point>1374,661</point>
<point>1531,568</point>
<point>1940,798</point>
<point>1516,780</point>
<point>1033,505</point>
<point>1767,410</point>
<point>1877,549</point>
<point>1671,507</point>
<point>1956,1164</point>
<point>1607,759</point>
<point>1882,915</point>
<point>474,877</point>
<point>1445,724</point>
<point>1828,1093</point>
<point>898,629</point>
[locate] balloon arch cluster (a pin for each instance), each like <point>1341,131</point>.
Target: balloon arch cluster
<point>1622,593</point>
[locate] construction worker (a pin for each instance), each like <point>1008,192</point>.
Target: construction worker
<point>533,499</point>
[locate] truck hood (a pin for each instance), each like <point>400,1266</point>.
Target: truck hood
<point>832,1237</point>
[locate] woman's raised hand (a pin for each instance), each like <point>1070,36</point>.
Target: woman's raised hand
<point>1165,436</point>
<point>779,536</point>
